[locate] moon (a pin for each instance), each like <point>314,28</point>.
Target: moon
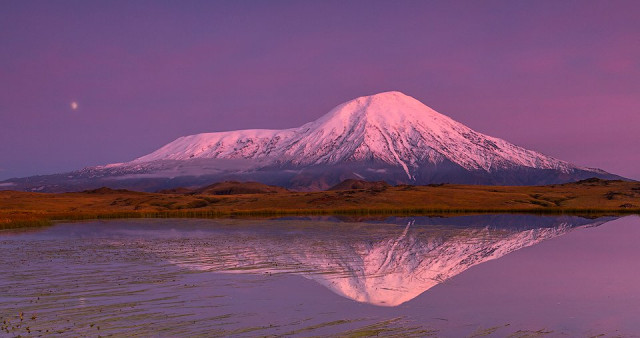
<point>74,105</point>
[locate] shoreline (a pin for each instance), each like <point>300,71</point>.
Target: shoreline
<point>595,198</point>
<point>49,220</point>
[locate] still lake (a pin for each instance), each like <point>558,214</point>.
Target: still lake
<point>488,275</point>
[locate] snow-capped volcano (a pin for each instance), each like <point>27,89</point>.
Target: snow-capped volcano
<point>390,128</point>
<point>388,137</point>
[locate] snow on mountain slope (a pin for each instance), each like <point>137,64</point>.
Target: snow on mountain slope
<point>387,137</point>
<point>389,127</point>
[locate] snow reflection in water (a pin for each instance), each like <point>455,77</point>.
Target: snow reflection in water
<point>379,265</point>
<point>133,276</point>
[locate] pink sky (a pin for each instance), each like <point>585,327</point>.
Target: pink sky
<point>559,77</point>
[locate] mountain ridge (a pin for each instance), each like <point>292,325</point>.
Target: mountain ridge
<point>389,127</point>
<point>388,137</point>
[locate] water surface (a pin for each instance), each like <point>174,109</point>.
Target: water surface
<point>495,275</point>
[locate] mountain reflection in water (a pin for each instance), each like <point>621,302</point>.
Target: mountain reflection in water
<point>385,263</point>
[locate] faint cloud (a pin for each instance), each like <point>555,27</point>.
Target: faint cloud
<point>538,61</point>
<point>619,64</point>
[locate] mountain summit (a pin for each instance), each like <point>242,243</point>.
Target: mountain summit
<point>390,128</point>
<point>388,136</point>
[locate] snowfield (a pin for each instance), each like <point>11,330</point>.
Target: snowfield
<point>388,137</point>
<point>389,127</point>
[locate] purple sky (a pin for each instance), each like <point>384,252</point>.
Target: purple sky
<point>560,77</point>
